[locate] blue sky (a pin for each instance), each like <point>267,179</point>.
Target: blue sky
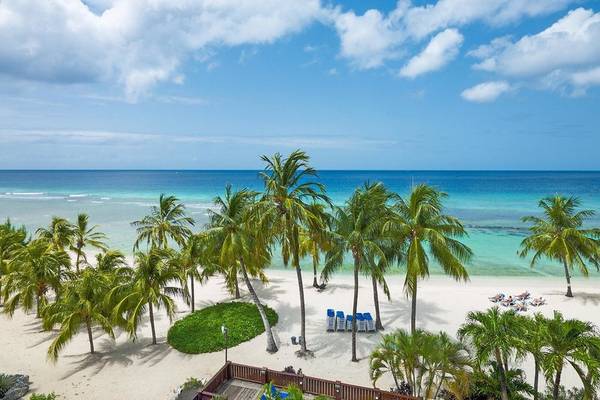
<point>452,84</point>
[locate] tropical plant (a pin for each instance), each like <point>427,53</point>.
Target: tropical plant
<point>315,239</point>
<point>166,222</point>
<point>147,289</point>
<point>575,343</point>
<point>11,240</point>
<point>81,304</point>
<point>560,236</point>
<point>494,336</point>
<point>109,261</point>
<point>59,234</point>
<point>6,382</point>
<point>486,384</point>
<point>189,261</point>
<point>238,241</point>
<point>85,236</point>
<point>286,204</point>
<point>425,231</point>
<point>34,270</point>
<point>357,230</point>
<point>43,396</point>
<point>426,361</point>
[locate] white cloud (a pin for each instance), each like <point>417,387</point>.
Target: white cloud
<point>371,39</point>
<point>137,43</point>
<point>442,49</point>
<point>486,92</point>
<point>565,54</point>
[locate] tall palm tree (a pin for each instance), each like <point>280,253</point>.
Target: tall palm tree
<point>494,335</point>
<point>421,225</point>
<point>237,240</point>
<point>166,222</point>
<point>12,239</point>
<point>570,342</point>
<point>109,261</point>
<point>357,230</point>
<point>84,236</point>
<point>34,270</point>
<point>59,233</point>
<point>148,288</point>
<point>315,239</point>
<point>426,361</point>
<point>80,305</point>
<point>189,259</point>
<point>289,192</point>
<point>560,236</point>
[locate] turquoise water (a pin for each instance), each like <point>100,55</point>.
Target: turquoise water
<point>490,203</point>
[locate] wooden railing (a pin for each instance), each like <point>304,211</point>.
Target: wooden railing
<point>311,385</point>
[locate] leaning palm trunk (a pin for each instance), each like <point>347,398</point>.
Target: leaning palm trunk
<point>193,299</point>
<point>413,313</point>
<point>302,309</point>
<point>271,345</point>
<point>88,326</point>
<point>568,276</point>
<point>151,310</point>
<point>378,324</point>
<point>354,307</point>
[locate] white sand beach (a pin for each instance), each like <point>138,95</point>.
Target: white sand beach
<point>123,369</point>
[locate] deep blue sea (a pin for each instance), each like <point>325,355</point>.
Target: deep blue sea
<point>490,203</point>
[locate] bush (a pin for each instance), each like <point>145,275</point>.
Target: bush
<point>41,396</point>
<point>200,332</point>
<point>192,383</point>
<point>6,382</point>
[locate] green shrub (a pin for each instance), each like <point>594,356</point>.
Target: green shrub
<point>6,382</point>
<point>192,383</point>
<point>41,396</point>
<point>200,332</point>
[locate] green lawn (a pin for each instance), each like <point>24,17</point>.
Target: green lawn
<point>200,332</point>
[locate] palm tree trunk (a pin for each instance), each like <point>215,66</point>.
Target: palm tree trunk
<point>237,289</point>
<point>315,281</point>
<point>77,261</point>
<point>556,388</point>
<point>413,312</point>
<point>354,307</point>
<point>569,292</point>
<point>378,324</point>
<point>89,332</point>
<point>37,306</point>
<point>271,345</point>
<point>302,308</point>
<point>503,383</point>
<point>151,310</point>
<point>536,378</point>
<point>193,294</point>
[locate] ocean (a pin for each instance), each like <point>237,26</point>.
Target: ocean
<point>490,203</point>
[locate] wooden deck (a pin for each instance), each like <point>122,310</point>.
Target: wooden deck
<point>236,389</point>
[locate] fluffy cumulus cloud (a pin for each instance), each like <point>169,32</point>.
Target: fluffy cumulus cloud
<point>370,39</point>
<point>442,49</point>
<point>486,91</point>
<point>136,43</point>
<point>565,54</point>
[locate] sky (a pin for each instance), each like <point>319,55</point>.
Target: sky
<point>361,84</point>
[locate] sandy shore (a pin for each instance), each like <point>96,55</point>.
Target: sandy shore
<point>126,370</point>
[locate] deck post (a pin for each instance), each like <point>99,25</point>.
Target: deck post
<point>228,370</point>
<point>338,390</point>
<point>264,372</point>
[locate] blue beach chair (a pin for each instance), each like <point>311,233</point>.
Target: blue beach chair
<point>369,321</point>
<point>330,320</point>
<point>360,323</point>
<point>349,323</point>
<point>340,321</point>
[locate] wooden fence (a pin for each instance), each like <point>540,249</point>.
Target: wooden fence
<point>311,385</point>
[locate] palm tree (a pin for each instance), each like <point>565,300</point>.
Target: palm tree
<point>166,222</point>
<point>59,233</point>
<point>571,342</point>
<point>84,236</point>
<point>110,260</point>
<point>32,272</point>
<point>425,231</point>
<point>149,287</point>
<point>534,340</point>
<point>426,361</point>
<point>494,335</point>
<point>315,239</point>
<point>11,240</point>
<point>357,230</point>
<point>189,260</point>
<point>237,240</point>
<point>559,236</point>
<point>485,383</point>
<point>80,305</point>
<point>289,192</point>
